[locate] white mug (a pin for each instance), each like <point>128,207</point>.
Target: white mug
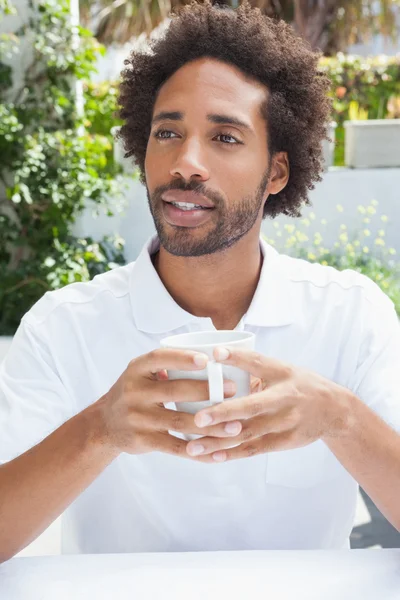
<point>215,373</point>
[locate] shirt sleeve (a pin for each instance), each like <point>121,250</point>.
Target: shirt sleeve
<point>377,377</point>
<point>33,399</point>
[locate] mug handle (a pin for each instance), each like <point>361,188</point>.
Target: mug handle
<point>215,382</point>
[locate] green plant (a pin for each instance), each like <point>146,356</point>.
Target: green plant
<point>53,159</point>
<point>361,251</point>
<point>361,88</point>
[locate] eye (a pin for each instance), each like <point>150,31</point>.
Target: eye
<point>163,134</point>
<point>229,139</point>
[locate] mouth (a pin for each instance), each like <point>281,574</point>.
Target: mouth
<point>185,209</point>
<point>187,200</point>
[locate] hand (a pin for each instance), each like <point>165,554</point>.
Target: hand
<point>289,407</point>
<point>133,416</point>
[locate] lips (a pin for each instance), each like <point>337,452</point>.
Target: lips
<point>186,218</point>
<point>189,197</point>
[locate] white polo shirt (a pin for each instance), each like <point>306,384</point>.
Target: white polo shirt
<point>74,344</point>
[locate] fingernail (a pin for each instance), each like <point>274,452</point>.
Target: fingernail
<point>229,387</point>
<point>203,420</point>
<point>222,353</point>
<point>219,456</point>
<point>233,428</point>
<point>196,450</point>
<point>200,360</point>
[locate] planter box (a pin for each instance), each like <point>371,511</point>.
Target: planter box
<point>5,343</point>
<point>373,143</point>
<point>328,148</point>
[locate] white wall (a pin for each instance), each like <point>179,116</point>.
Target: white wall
<point>347,187</point>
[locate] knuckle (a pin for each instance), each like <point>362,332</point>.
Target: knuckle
<point>152,355</point>
<point>293,417</point>
<point>177,422</point>
<point>177,448</point>
<point>127,386</point>
<point>293,392</point>
<point>286,371</point>
<point>132,363</point>
<point>251,450</point>
<point>247,435</point>
<point>256,408</point>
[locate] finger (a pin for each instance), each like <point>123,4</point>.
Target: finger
<point>165,419</point>
<point>164,442</point>
<point>252,429</point>
<point>169,358</point>
<point>266,402</point>
<point>255,363</point>
<point>187,390</point>
<point>271,442</point>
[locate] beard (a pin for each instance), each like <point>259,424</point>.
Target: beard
<point>229,224</point>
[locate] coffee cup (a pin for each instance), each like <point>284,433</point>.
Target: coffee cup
<point>215,373</point>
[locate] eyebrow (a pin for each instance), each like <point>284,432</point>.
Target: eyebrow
<point>213,118</point>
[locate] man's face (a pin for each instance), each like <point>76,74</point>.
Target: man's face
<point>207,146</point>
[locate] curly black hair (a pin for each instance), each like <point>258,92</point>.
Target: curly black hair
<point>297,111</point>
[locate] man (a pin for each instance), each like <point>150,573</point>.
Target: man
<point>224,117</point>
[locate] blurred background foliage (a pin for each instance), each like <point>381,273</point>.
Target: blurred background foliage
<point>53,159</point>
<point>56,146</point>
<point>331,25</point>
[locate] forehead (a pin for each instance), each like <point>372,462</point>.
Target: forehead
<point>209,82</point>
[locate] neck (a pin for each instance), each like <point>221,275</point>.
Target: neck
<point>220,286</point>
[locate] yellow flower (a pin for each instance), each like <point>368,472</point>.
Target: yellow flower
<point>381,233</point>
<point>276,225</point>
<point>374,202</point>
<point>343,227</point>
<point>366,220</point>
<point>385,284</point>
<point>361,209</point>
<point>350,248</point>
<point>384,218</point>
<point>311,256</point>
<point>343,237</point>
<point>356,243</point>
<point>324,263</point>
<point>306,222</point>
<point>379,242</point>
<point>371,210</point>
<point>301,237</point>
<point>366,232</point>
<point>324,221</point>
<point>312,216</point>
<point>366,249</point>
<point>392,251</point>
<point>290,228</point>
<point>290,241</point>
<point>339,208</point>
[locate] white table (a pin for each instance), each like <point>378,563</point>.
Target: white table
<point>281,575</point>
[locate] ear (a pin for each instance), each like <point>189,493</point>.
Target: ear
<point>280,172</point>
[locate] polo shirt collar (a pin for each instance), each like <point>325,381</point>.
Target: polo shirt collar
<point>155,311</point>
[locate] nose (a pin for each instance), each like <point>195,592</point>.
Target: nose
<point>189,162</point>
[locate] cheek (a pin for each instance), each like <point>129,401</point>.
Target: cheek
<point>239,176</point>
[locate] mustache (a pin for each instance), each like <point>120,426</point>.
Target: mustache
<point>195,187</point>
